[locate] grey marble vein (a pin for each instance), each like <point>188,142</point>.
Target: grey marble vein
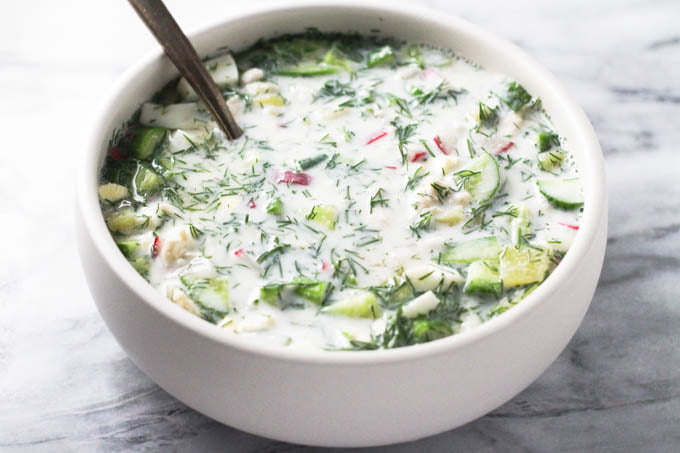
<point>65,385</point>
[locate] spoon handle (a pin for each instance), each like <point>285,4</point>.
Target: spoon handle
<point>180,51</point>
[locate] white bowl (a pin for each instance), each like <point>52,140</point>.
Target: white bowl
<point>344,398</point>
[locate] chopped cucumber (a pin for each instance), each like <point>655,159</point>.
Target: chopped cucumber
<point>335,57</point>
<point>550,160</point>
<point>547,140</point>
<point>223,71</point>
<point>505,304</point>
<point>313,290</point>
<point>275,207</point>
<point>522,266</point>
<point>425,330</point>
<point>562,193</point>
<point>146,141</point>
<point>481,178</point>
<point>520,225</point>
<point>125,221</point>
<point>128,247</point>
<point>288,294</point>
<point>449,216</point>
<point>363,304</point>
<point>211,296</point>
<point>415,56</point>
<point>382,56</point>
<point>189,115</point>
<point>275,100</point>
<point>483,277</point>
<point>146,181</point>
<point>325,215</point>
<point>486,248</point>
<point>307,70</point>
<point>142,264</point>
<point>112,192</point>
<point>271,293</point>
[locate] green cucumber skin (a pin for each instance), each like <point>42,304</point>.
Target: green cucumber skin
<point>560,203</point>
<point>147,141</point>
<point>307,71</point>
<point>555,201</point>
<point>489,169</point>
<point>486,248</point>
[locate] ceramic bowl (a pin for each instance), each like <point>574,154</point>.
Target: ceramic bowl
<point>344,398</point>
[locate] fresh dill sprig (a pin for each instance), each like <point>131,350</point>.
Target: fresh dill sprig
<point>378,199</point>
<point>404,135</point>
<point>422,224</point>
<point>414,179</point>
<point>442,191</point>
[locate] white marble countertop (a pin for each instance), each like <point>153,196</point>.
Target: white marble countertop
<point>65,384</point>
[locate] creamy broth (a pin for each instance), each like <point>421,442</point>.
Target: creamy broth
<point>383,194</point>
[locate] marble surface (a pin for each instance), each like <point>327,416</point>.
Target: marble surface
<point>65,385</point>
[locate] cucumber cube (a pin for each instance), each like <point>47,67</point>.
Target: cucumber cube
<point>275,207</point>
<point>363,304</point>
<point>425,330</point>
<point>325,215</point>
<point>522,266</point>
<point>335,57</point>
<point>128,247</point>
<point>313,290</point>
<point>483,277</point>
<point>486,248</point>
<point>146,181</point>
<point>146,141</point>
<point>382,56</point>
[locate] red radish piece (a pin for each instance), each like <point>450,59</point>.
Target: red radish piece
<point>239,252</point>
<point>568,225</point>
<point>376,137</point>
<point>438,142</point>
<point>116,153</point>
<point>251,204</point>
<point>391,167</point>
<point>429,72</point>
<point>505,147</point>
<point>156,247</point>
<point>290,177</point>
<point>418,156</point>
<point>324,266</point>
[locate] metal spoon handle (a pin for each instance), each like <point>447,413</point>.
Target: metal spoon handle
<point>180,51</point>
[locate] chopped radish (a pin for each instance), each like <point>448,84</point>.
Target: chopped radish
<point>418,156</point>
<point>505,147</point>
<point>239,252</point>
<point>116,153</point>
<point>300,178</point>
<point>156,247</point>
<point>376,137</point>
<point>438,142</point>
<point>324,266</point>
<point>251,204</point>
<point>429,72</point>
<point>568,225</point>
<point>391,167</point>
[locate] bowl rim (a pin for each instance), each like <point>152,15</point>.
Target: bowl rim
<point>591,159</point>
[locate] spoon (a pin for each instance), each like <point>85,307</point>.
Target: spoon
<point>180,51</point>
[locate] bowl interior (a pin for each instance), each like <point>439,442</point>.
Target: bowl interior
<point>408,23</point>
